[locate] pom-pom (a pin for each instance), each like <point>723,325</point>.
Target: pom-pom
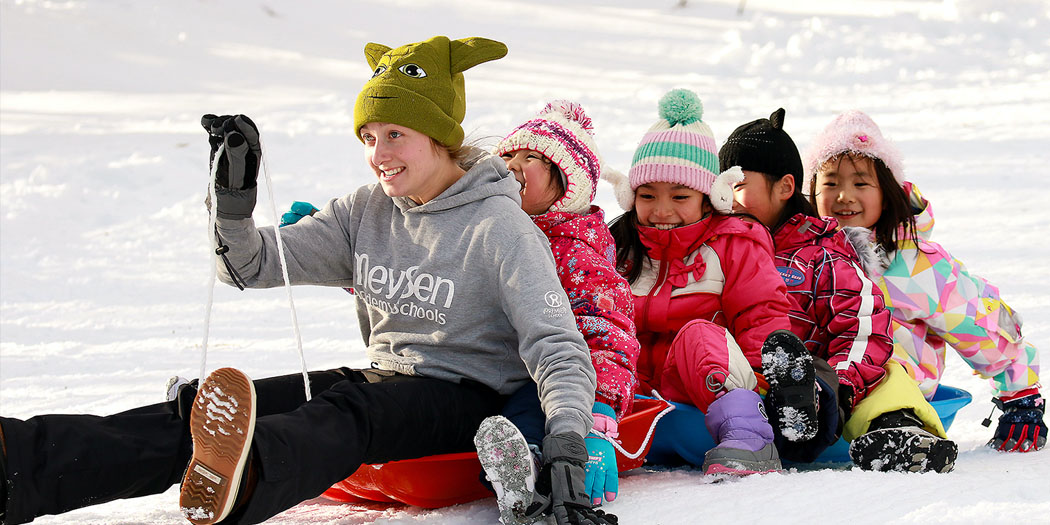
<point>681,106</point>
<point>777,119</point>
<point>571,111</point>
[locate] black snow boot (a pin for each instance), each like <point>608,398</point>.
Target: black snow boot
<point>897,442</point>
<point>788,367</point>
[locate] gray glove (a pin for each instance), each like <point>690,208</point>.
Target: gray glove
<point>235,159</point>
<point>561,488</point>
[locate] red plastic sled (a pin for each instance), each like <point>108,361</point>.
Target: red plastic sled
<point>451,479</point>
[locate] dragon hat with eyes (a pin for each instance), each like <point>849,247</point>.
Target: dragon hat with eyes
<point>420,85</point>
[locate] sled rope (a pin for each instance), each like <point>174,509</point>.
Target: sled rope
<point>212,219</point>
<point>284,273</point>
<point>648,434</point>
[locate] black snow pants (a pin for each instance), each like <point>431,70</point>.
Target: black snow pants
<point>57,463</point>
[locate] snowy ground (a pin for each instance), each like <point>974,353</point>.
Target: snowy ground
<point>103,247</point>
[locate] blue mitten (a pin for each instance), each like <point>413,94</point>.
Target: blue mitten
<point>298,210</point>
<point>602,474</point>
<point>1021,427</point>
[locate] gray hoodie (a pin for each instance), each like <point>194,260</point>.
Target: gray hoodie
<point>462,286</point>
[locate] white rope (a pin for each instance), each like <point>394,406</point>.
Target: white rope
<point>284,273</point>
<point>212,218</point>
<point>648,435</point>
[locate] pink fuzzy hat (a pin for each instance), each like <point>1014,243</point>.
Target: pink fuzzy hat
<point>852,132</point>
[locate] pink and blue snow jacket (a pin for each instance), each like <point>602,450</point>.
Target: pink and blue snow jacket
<point>936,302</point>
<point>837,311</point>
<point>585,259</point>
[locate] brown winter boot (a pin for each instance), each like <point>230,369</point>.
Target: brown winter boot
<point>220,476</point>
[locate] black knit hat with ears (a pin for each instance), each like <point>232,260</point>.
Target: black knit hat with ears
<point>762,145</point>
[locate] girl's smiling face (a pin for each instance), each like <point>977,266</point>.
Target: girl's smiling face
<point>539,191</point>
<point>665,205</point>
<point>848,190</point>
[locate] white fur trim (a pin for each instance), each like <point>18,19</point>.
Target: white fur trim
<point>621,187</point>
<point>722,189</point>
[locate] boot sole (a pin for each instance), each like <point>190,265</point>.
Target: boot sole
<point>788,367</point>
<point>222,424</point>
<point>507,460</point>
<point>908,449</point>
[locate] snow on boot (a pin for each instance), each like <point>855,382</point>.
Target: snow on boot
<point>508,465</point>
<point>897,442</point>
<point>739,425</point>
<point>788,367</point>
<point>222,424</point>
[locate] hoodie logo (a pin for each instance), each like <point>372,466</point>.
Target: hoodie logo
<point>407,292</point>
<point>791,276</point>
<point>555,304</point>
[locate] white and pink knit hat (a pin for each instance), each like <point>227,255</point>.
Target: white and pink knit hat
<point>852,132</point>
<point>562,132</point>
<point>680,148</point>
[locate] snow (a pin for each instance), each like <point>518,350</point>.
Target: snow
<point>104,253</point>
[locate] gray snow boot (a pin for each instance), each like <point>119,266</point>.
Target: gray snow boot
<point>788,367</point>
<point>897,442</point>
<point>510,467</point>
<point>737,421</point>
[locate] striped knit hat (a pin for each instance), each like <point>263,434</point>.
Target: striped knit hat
<point>680,148</point>
<point>562,132</point>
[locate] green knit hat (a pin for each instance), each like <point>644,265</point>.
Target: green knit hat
<point>421,85</point>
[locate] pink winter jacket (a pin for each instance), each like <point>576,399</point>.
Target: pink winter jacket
<point>936,302</point>
<point>837,310</point>
<point>720,270</point>
<point>585,258</point>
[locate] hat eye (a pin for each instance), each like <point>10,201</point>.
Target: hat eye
<point>412,70</point>
<point>379,71</point>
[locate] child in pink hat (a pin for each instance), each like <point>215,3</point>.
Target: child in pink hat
<point>855,174</point>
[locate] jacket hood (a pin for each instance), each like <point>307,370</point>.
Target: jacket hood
<point>486,177</point>
<point>588,228</point>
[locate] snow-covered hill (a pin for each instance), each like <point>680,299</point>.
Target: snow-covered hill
<point>104,253</point>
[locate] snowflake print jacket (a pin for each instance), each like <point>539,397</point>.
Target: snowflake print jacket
<point>935,301</point>
<point>837,310</point>
<point>719,269</point>
<point>585,258</point>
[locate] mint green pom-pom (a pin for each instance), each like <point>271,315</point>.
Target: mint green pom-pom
<point>681,106</point>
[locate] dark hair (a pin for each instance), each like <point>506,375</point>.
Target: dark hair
<point>559,179</point>
<point>897,216</point>
<point>630,252</point>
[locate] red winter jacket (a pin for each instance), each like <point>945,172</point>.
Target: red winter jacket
<point>836,310</point>
<point>720,270</point>
<point>585,257</point>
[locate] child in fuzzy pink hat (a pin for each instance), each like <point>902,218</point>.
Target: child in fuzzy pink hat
<point>855,174</point>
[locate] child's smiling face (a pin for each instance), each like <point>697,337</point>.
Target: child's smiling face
<point>533,171</point>
<point>665,205</point>
<point>848,190</point>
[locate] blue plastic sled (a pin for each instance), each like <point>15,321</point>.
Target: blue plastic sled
<point>681,437</point>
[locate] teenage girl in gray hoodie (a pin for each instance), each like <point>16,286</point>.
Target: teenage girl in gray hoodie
<point>458,302</point>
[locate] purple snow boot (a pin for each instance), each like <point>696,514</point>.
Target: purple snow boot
<point>738,422</point>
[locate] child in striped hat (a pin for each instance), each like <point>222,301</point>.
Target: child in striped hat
<point>708,300</point>
<point>554,158</point>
